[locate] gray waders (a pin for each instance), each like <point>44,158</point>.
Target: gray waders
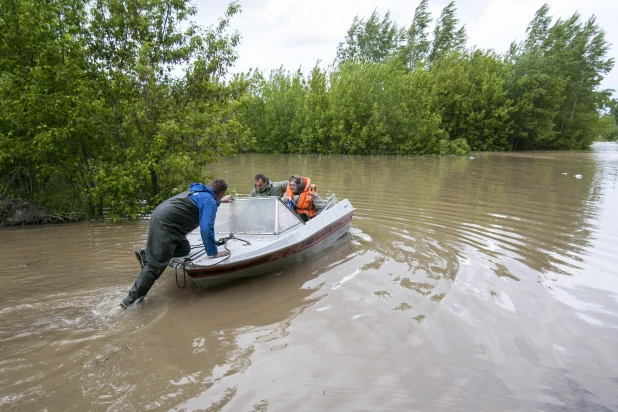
<point>169,224</point>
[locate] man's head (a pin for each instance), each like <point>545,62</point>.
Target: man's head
<point>261,182</point>
<point>219,187</point>
<point>296,184</point>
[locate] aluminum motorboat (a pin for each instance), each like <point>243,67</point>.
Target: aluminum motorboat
<point>262,235</point>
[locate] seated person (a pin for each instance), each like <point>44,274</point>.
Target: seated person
<point>264,187</point>
<point>307,204</point>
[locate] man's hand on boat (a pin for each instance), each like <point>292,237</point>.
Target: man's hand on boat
<point>226,199</point>
<point>221,254</point>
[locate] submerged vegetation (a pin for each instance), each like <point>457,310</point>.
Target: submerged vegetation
<point>411,90</point>
<point>15,212</point>
<point>105,104</point>
<point>109,104</point>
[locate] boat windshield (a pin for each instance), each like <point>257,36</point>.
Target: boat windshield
<point>255,215</point>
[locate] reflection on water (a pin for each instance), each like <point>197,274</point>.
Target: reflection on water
<point>479,283</point>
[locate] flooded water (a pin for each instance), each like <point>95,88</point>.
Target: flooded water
<point>479,283</point>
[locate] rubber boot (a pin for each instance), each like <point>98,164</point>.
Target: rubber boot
<point>142,285</point>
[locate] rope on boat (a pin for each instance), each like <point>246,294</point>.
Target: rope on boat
<point>190,258</point>
<point>225,240</point>
<point>184,275</point>
<point>184,266</point>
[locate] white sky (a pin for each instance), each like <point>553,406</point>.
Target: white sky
<point>294,33</point>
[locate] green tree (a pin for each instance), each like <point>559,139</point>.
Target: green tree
<point>472,100</point>
<point>417,43</point>
<point>537,97</point>
<point>397,91</point>
<point>113,101</point>
<point>608,125</point>
<point>318,115</point>
<point>373,40</point>
<point>446,36</point>
<point>582,53</point>
<point>49,101</point>
<point>554,80</point>
<point>382,108</point>
<point>608,129</point>
<point>284,98</point>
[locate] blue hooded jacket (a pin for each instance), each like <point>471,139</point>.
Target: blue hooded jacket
<point>206,202</point>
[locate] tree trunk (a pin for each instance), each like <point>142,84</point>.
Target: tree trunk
<point>154,181</point>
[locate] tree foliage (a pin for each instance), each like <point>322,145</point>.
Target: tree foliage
<point>553,77</point>
<point>106,103</point>
<point>372,40</point>
<point>446,36</point>
<point>416,48</point>
<point>608,130</point>
<point>416,91</point>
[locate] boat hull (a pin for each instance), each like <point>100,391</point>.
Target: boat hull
<point>211,276</point>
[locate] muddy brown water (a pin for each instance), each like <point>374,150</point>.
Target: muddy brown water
<point>478,283</point>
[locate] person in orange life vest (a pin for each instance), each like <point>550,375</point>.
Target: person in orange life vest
<point>307,204</point>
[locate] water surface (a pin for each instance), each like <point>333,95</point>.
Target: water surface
<point>486,282</point>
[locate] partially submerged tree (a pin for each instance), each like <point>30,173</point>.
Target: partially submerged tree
<point>416,48</point>
<point>411,91</point>
<point>446,36</point>
<point>118,101</point>
<point>554,78</point>
<point>373,40</point>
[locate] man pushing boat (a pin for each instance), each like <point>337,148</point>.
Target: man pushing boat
<point>169,224</point>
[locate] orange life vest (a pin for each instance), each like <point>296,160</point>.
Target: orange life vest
<point>305,199</point>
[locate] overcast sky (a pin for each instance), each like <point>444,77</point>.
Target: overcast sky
<point>295,33</point>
